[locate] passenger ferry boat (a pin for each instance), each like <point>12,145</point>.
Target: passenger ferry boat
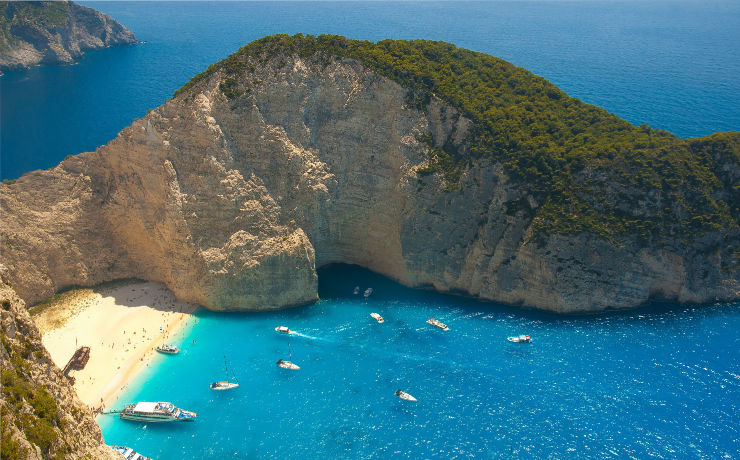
<point>168,349</point>
<point>156,412</point>
<point>129,453</point>
<point>437,323</point>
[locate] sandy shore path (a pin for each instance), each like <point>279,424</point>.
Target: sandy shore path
<point>122,323</point>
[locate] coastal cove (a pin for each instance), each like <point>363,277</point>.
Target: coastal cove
<point>660,381</point>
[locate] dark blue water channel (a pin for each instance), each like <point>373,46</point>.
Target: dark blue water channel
<point>659,382</point>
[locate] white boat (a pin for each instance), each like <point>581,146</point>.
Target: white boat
<point>168,349</point>
<point>356,291</point>
<point>287,365</point>
<point>224,384</point>
<point>367,293</point>
<point>156,412</point>
<point>438,324</point>
<point>377,317</point>
<point>129,453</point>
<point>283,329</point>
<point>520,339</point>
<point>405,396</point>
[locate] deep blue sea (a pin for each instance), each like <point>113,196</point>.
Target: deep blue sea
<point>673,64</point>
<point>659,382</point>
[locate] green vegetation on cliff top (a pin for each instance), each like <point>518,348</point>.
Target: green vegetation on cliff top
<point>15,16</point>
<point>588,170</point>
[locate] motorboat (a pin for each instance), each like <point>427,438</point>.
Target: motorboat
<point>437,323</point>
<point>283,329</point>
<point>129,453</point>
<point>224,384</point>
<point>520,339</point>
<point>405,396</point>
<point>168,349</point>
<point>356,291</point>
<point>377,317</point>
<point>368,292</point>
<point>156,412</point>
<point>287,365</point>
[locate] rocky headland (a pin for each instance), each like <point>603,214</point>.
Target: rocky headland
<point>54,32</point>
<point>435,166</point>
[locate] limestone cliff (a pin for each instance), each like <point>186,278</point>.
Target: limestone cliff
<point>269,165</point>
<point>55,32</point>
<point>40,412</point>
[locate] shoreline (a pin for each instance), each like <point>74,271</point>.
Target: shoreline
<point>122,324</point>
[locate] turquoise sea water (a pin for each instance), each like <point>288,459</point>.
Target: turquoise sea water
<point>659,382</point>
<point>671,64</point>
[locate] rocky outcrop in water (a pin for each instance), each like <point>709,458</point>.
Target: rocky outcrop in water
<point>56,32</point>
<point>41,416</point>
<point>234,191</point>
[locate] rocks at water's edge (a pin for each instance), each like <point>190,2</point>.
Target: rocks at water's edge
<point>55,32</point>
<point>40,413</point>
<point>233,192</point>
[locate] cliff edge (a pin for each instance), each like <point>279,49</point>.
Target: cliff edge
<point>435,166</point>
<point>54,32</point>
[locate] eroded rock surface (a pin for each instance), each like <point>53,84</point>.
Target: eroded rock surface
<point>233,202</point>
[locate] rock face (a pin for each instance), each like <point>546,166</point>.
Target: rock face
<point>41,414</point>
<point>233,197</point>
<point>57,32</point>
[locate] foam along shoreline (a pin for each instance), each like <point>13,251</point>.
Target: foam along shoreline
<point>122,324</point>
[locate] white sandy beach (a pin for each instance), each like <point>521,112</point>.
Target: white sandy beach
<point>122,324</point>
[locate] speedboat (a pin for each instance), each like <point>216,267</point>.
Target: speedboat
<point>438,324</point>
<point>156,412</point>
<point>367,293</point>
<point>520,339</point>
<point>405,396</point>
<point>129,453</point>
<point>287,365</point>
<point>283,329</point>
<point>168,349</point>
<point>377,317</point>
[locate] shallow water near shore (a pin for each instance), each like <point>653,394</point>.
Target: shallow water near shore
<point>660,381</point>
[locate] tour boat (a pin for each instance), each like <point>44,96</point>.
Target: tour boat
<point>168,349</point>
<point>520,339</point>
<point>156,412</point>
<point>283,329</point>
<point>438,324</point>
<point>129,453</point>
<point>367,293</point>
<point>405,396</point>
<point>377,317</point>
<point>287,365</point>
<point>224,384</point>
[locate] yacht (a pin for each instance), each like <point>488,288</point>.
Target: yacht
<point>520,339</point>
<point>287,365</point>
<point>377,318</point>
<point>368,292</point>
<point>224,384</point>
<point>437,323</point>
<point>168,349</point>
<point>156,412</point>
<point>129,453</point>
<point>405,396</point>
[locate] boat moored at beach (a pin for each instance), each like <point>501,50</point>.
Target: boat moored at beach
<point>520,339</point>
<point>437,323</point>
<point>283,329</point>
<point>168,349</point>
<point>287,365</point>
<point>377,318</point>
<point>156,412</point>
<point>405,396</point>
<point>129,453</point>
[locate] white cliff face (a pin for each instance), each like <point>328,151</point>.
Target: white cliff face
<point>233,203</point>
